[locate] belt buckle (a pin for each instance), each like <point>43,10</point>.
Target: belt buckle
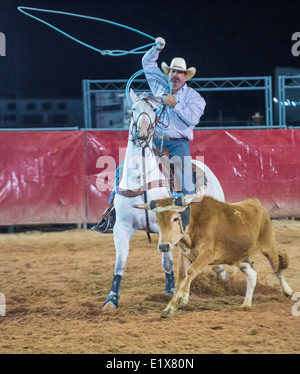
<point>165,138</point>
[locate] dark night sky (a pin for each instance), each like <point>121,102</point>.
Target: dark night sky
<point>221,38</point>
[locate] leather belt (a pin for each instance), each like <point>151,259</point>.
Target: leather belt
<point>166,138</point>
<point>174,139</point>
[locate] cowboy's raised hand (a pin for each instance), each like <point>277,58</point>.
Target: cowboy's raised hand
<point>160,43</point>
<point>170,100</point>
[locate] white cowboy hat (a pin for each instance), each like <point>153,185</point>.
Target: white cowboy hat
<point>179,63</point>
<point>257,115</point>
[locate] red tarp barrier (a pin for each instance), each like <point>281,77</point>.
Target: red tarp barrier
<point>63,176</point>
<point>248,163</point>
<point>255,163</point>
<point>102,158</point>
<point>41,177</point>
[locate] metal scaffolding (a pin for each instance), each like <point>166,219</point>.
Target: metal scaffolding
<point>286,82</point>
<point>264,83</point>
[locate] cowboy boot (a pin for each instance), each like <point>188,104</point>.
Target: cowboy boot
<point>107,222</point>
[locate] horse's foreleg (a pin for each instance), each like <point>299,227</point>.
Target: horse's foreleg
<point>122,236</point>
<point>112,300</point>
<point>167,263</point>
<point>221,272</point>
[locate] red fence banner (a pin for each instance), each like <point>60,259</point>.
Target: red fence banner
<point>248,163</point>
<point>67,176</point>
<point>104,151</point>
<point>42,177</point>
<point>255,163</point>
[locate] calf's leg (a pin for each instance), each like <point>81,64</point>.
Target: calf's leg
<point>250,273</point>
<point>183,264</point>
<point>181,295</point>
<point>278,260</point>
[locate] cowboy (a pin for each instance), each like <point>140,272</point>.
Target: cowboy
<point>185,108</point>
<point>257,119</point>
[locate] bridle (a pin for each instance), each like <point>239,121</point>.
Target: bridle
<point>144,141</point>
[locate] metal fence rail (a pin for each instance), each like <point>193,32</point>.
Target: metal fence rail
<point>264,83</point>
<point>286,82</point>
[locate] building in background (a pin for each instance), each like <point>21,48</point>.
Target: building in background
<point>111,110</point>
<point>41,113</point>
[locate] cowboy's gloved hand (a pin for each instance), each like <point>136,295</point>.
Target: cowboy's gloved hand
<point>160,43</point>
<point>170,100</point>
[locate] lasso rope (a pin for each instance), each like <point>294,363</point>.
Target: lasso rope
<point>116,52</point>
<point>168,83</point>
<point>143,49</point>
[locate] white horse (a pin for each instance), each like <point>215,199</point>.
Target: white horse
<point>143,181</point>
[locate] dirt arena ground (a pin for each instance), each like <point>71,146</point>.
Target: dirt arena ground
<point>55,285</point>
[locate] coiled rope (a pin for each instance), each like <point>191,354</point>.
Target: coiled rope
<point>165,81</point>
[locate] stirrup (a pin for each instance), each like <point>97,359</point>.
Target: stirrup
<point>177,194</point>
<point>108,220</point>
<point>105,226</point>
<point>100,227</point>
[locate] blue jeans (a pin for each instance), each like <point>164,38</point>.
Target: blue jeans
<point>117,178</point>
<point>180,155</point>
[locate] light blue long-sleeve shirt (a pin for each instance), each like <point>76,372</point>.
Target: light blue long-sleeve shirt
<point>181,119</point>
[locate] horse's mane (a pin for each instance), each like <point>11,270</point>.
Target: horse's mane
<point>149,96</point>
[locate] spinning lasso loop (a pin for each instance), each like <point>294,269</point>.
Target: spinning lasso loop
<point>139,50</point>
<point>168,85</point>
<point>115,52</point>
<point>147,71</point>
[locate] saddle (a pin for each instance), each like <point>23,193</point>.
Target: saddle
<point>168,168</point>
<point>108,218</point>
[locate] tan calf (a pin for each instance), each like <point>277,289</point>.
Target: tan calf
<point>213,233</point>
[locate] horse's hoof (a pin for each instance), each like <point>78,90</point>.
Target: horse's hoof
<point>221,273</point>
<point>111,302</point>
<point>170,291</point>
<point>246,304</point>
<point>109,306</point>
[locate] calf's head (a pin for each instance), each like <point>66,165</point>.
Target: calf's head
<point>173,216</point>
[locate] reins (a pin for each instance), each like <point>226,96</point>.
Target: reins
<point>144,142</point>
<point>134,128</point>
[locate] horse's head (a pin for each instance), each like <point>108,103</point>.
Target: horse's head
<point>144,117</point>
